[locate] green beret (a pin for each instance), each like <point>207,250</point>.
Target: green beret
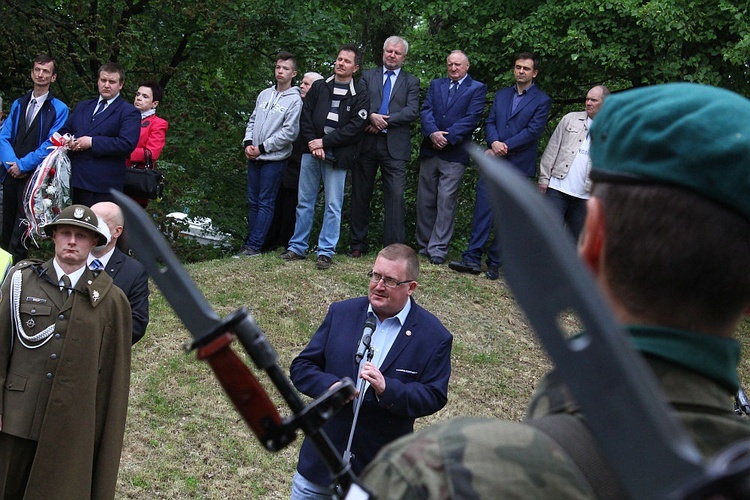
<point>683,134</point>
<point>79,216</point>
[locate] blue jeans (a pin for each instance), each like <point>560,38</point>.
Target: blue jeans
<point>312,170</point>
<point>263,181</point>
<point>302,489</point>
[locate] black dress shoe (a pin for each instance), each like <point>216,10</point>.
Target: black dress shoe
<point>437,260</point>
<point>465,266</point>
<point>356,254</point>
<point>493,273</point>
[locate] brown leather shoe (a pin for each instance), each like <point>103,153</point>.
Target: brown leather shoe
<point>291,255</point>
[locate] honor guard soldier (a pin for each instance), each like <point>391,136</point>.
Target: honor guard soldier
<point>65,336</point>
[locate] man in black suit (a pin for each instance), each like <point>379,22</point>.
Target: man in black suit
<point>105,130</point>
<point>394,105</point>
<point>127,273</point>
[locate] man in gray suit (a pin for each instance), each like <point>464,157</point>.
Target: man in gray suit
<point>394,105</point>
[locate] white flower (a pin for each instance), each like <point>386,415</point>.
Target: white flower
<point>51,190</point>
<point>47,203</point>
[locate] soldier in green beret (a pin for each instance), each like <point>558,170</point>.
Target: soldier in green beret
<point>667,237</point>
<point>65,336</point>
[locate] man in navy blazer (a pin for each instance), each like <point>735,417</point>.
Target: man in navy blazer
<point>407,375</point>
<point>105,130</point>
<point>450,114</point>
<point>515,123</point>
<point>128,274</point>
<point>386,144</point>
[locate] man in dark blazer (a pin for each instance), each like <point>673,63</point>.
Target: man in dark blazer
<point>450,114</point>
<point>515,123</point>
<point>394,105</point>
<point>407,376</point>
<point>105,130</point>
<point>127,273</point>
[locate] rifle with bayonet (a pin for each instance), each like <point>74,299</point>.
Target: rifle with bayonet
<point>213,338</point>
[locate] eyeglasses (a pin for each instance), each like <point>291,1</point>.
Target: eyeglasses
<point>389,282</point>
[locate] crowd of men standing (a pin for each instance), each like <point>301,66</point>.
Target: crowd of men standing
<point>363,125</point>
<point>67,324</point>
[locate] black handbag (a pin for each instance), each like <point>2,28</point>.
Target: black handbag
<point>142,180</point>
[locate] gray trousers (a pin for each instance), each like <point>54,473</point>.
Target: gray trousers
<point>437,197</point>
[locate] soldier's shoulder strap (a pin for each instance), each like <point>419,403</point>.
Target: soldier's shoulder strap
<point>572,435</point>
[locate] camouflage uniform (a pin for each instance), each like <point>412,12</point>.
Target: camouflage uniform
<point>491,458</point>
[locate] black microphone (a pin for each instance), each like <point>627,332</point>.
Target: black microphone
<point>364,343</point>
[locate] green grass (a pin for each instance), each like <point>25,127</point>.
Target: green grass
<point>184,439</point>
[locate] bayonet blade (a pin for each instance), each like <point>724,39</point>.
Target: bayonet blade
<point>165,269</point>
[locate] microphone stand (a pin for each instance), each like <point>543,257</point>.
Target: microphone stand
<point>363,386</point>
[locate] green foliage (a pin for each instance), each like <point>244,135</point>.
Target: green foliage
<point>214,57</point>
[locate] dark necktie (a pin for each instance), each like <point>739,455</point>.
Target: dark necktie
<point>30,112</point>
<point>96,265</point>
<point>452,91</point>
<point>101,107</point>
<point>65,288</point>
<point>387,85</point>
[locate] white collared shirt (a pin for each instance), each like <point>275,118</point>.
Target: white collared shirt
<point>104,259</point>
<point>39,102</point>
<point>74,276</point>
<point>109,102</point>
<point>385,333</point>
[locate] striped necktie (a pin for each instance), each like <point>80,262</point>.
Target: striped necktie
<point>452,91</point>
<point>101,107</point>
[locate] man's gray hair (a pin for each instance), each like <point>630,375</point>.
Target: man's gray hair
<point>314,75</point>
<point>459,52</point>
<point>395,40</point>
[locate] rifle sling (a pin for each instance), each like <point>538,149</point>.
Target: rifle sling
<point>572,435</point>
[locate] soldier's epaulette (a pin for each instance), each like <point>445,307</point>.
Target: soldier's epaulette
<point>27,262</point>
<point>24,264</point>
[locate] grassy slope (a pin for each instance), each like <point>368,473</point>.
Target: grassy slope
<point>183,438</point>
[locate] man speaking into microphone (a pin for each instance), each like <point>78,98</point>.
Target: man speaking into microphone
<point>406,367</point>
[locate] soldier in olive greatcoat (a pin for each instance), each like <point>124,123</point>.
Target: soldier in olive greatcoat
<point>65,336</point>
